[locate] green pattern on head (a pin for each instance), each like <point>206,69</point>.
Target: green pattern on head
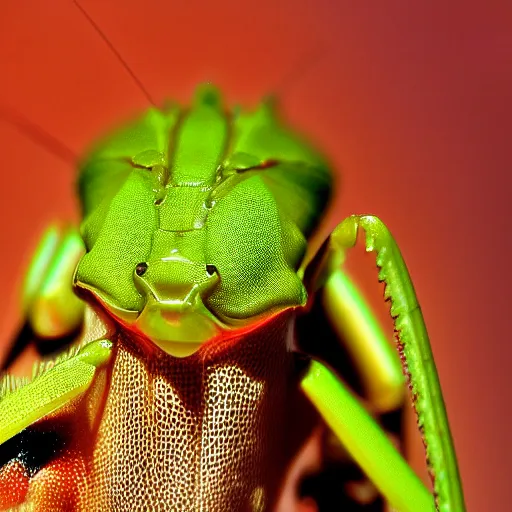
<point>197,187</point>
<point>245,243</point>
<point>200,143</point>
<point>113,159</point>
<point>118,238</point>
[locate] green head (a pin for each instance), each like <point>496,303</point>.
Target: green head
<point>196,221</point>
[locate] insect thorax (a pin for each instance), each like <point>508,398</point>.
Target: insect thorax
<point>202,433</point>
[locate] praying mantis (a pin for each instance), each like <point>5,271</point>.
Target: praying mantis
<point>193,276</point>
<point>183,315</point>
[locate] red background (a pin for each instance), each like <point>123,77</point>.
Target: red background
<point>410,100</point>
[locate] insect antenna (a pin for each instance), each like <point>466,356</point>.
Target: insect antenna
<point>114,50</point>
<point>38,135</point>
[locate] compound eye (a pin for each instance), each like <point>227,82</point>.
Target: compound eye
<point>211,270</point>
<point>141,268</point>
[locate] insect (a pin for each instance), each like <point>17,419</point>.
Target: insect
<point>195,282</point>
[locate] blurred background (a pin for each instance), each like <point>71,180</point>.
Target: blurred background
<point>410,101</point>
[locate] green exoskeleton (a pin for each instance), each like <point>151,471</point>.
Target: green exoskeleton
<point>191,268</point>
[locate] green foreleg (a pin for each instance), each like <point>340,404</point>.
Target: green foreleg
<point>415,347</point>
<point>51,390</point>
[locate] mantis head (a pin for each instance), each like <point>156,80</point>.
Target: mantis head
<point>188,234</point>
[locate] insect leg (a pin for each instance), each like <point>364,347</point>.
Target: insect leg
<point>365,441</point>
<point>50,306</point>
<point>20,406</point>
<point>370,351</point>
<point>416,354</point>
<point>366,362</point>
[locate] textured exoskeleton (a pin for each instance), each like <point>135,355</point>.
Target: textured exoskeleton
<point>183,388</point>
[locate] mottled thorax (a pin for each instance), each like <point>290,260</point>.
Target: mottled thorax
<point>199,433</point>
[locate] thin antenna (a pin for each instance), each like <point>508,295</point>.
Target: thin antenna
<point>113,49</point>
<point>38,135</point>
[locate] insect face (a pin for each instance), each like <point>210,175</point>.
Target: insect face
<point>186,235</point>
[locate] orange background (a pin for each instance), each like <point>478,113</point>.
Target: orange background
<point>410,100</point>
